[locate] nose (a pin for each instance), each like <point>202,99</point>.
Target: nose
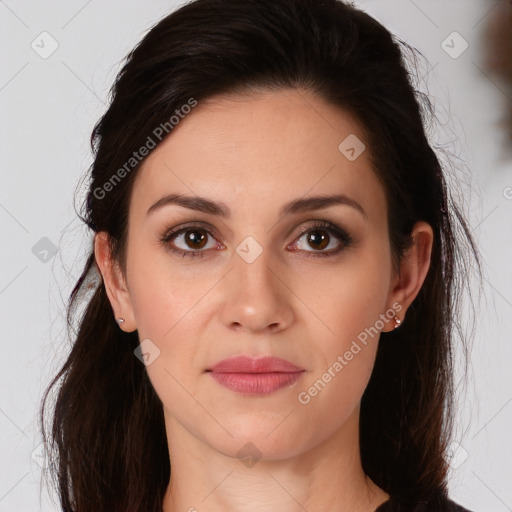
<point>256,298</point>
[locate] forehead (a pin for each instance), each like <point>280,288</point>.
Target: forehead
<point>260,150</point>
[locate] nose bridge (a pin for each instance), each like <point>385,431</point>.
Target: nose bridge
<point>256,298</point>
<point>253,269</point>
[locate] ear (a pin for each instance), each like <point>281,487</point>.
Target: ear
<point>413,270</point>
<point>115,284</point>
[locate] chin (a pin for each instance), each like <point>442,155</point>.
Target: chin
<point>265,438</point>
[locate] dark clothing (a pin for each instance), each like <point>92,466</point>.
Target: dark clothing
<point>438,502</point>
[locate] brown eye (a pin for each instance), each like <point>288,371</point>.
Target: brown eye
<point>318,239</point>
<point>195,239</point>
<point>321,236</point>
<point>189,241</point>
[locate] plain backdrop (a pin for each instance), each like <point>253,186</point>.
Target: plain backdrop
<point>58,60</point>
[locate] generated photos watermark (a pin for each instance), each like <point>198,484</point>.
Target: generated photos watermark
<point>156,136</point>
<point>304,397</point>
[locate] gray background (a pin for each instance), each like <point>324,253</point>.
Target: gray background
<point>48,108</point>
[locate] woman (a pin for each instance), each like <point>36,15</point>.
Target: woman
<point>272,276</point>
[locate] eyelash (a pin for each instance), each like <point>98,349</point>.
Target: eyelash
<point>345,238</point>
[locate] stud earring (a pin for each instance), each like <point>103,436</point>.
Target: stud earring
<point>120,321</point>
<point>397,322</point>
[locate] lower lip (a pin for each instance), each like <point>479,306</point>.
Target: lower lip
<point>256,383</point>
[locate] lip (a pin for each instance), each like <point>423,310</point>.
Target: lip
<point>255,376</point>
<point>246,364</point>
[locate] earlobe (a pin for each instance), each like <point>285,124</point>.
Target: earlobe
<point>414,267</point>
<point>114,282</point>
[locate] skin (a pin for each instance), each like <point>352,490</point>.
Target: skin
<point>255,153</point>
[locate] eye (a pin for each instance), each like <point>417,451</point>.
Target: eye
<point>192,240</point>
<point>319,237</point>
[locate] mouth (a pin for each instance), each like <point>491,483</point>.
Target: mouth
<point>252,376</point>
<point>256,383</point>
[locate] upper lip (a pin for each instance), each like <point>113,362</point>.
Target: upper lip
<point>245,364</point>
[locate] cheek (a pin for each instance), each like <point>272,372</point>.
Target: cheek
<point>350,304</point>
<point>351,312</point>
<point>169,307</point>
<point>162,295</point>
<point>165,306</point>
<point>349,298</point>
<point>334,394</point>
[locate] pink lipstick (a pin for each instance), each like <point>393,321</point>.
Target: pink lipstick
<point>255,376</point>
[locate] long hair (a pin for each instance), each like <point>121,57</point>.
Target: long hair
<point>106,443</point>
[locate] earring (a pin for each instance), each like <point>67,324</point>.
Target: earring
<point>397,322</point>
<point>120,321</point>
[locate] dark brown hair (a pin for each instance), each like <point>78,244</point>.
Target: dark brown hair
<point>107,442</point>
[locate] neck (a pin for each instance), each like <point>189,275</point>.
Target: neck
<point>328,476</point>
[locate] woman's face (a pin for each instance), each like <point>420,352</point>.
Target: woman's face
<point>260,279</point>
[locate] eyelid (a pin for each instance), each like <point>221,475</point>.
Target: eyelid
<point>205,226</point>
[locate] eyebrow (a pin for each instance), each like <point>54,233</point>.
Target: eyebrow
<point>204,205</point>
